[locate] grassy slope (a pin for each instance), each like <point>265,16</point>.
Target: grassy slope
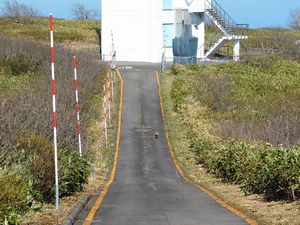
<point>65,30</point>
<point>267,37</point>
<point>74,34</point>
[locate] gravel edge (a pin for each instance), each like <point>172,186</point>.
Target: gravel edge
<point>75,211</point>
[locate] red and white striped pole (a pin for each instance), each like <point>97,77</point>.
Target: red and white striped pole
<point>54,113</point>
<point>112,65</point>
<point>112,42</point>
<point>108,98</point>
<point>105,115</point>
<point>77,105</point>
<point>112,84</point>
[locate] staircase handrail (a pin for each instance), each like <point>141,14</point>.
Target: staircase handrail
<point>213,38</point>
<point>208,44</point>
<point>242,29</point>
<point>231,24</point>
<point>214,5</point>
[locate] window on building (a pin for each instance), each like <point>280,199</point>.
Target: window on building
<point>168,34</point>
<point>167,4</point>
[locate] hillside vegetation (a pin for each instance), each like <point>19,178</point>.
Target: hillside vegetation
<point>26,151</point>
<point>265,41</point>
<point>271,37</point>
<point>282,41</point>
<point>243,121</point>
<point>64,30</point>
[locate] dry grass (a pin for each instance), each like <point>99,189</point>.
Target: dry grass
<point>49,216</point>
<point>64,30</point>
<point>266,212</point>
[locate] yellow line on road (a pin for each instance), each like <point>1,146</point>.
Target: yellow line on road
<point>185,177</point>
<point>91,215</point>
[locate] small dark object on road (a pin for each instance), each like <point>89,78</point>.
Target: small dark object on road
<point>156,134</point>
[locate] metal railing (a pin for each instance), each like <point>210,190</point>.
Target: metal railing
<point>219,11</point>
<point>241,29</point>
<point>225,20</point>
<point>212,39</point>
<point>250,51</point>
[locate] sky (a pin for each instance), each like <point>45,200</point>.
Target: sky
<point>257,13</point>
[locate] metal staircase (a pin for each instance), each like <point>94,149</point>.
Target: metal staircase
<point>229,29</point>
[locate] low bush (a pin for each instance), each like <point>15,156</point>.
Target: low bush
<point>15,197</point>
<point>73,172</point>
<point>273,172</point>
<point>28,178</point>
<point>280,174</point>
<point>18,65</point>
<point>36,152</point>
<point>231,110</point>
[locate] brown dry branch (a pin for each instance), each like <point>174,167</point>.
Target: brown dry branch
<point>30,108</point>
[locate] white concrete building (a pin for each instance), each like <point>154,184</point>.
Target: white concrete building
<point>138,30</point>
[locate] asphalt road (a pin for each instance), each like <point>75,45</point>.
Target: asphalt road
<point>147,189</point>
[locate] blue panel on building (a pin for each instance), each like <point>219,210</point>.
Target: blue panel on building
<point>167,4</point>
<point>168,33</point>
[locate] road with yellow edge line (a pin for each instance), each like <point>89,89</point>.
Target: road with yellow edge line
<point>213,196</point>
<point>99,200</point>
<point>147,187</point>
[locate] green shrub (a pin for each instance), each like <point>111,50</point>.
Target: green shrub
<point>15,198</point>
<point>178,69</point>
<point>280,175</point>
<point>204,149</point>
<point>37,153</point>
<point>274,172</point>
<point>180,91</point>
<point>228,162</point>
<point>17,65</point>
<point>256,100</point>
<point>73,172</point>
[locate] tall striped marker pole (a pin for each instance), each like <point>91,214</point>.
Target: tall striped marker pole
<point>113,63</point>
<point>54,114</point>
<point>108,98</point>
<point>112,84</point>
<point>105,113</point>
<point>112,41</point>
<point>77,106</point>
<point>105,119</point>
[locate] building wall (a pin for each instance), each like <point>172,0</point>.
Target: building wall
<point>137,27</point>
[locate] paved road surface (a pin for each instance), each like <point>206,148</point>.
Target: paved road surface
<point>147,189</point>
